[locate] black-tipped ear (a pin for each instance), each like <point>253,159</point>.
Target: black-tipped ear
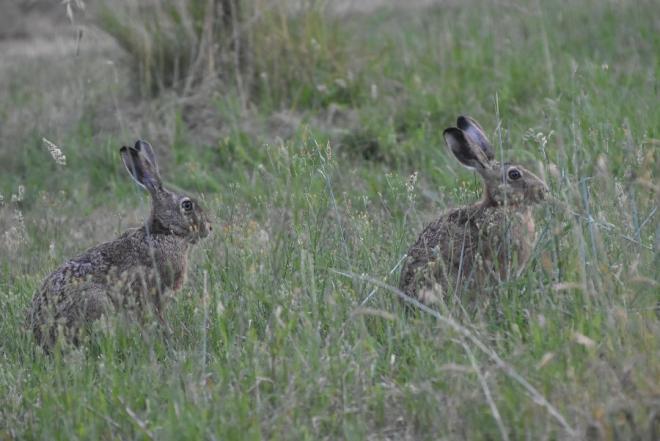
<point>476,134</point>
<point>461,148</point>
<point>145,148</point>
<point>140,169</point>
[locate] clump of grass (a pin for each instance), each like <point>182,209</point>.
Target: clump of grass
<point>269,51</point>
<point>300,58</point>
<point>168,41</point>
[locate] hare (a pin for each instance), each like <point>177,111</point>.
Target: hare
<point>473,247</point>
<point>135,270</point>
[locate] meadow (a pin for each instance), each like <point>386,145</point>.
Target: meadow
<point>313,135</point>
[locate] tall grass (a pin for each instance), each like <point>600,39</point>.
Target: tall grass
<point>301,57</point>
<point>171,43</point>
<point>272,52</point>
<point>288,327</point>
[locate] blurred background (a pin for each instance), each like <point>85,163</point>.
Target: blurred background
<point>313,132</point>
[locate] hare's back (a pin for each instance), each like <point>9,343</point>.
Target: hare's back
<point>96,265</point>
<point>435,242</point>
<point>454,226</point>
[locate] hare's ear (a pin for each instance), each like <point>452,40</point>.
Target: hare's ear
<point>140,169</point>
<point>145,148</point>
<point>476,135</point>
<point>467,155</point>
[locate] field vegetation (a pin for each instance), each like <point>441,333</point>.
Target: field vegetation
<point>313,133</point>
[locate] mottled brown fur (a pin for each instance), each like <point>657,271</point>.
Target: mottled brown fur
<point>469,249</point>
<point>135,271</point>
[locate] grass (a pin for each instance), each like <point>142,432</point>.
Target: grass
<point>270,339</point>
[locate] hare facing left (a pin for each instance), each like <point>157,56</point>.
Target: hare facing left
<point>134,271</point>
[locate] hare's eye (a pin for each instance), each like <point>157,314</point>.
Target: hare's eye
<point>514,174</point>
<point>187,205</point>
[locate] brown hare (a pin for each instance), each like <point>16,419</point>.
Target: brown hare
<point>471,248</point>
<point>131,272</point>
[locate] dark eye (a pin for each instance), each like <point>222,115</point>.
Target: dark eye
<point>187,205</point>
<point>514,174</point>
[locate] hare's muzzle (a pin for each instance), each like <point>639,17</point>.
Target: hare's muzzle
<point>542,191</point>
<point>205,229</point>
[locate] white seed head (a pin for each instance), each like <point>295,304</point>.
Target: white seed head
<point>58,156</point>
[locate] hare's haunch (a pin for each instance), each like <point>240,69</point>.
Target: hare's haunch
<point>133,271</point>
<point>471,247</point>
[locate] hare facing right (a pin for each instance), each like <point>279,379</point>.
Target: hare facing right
<point>133,272</point>
<point>473,247</point>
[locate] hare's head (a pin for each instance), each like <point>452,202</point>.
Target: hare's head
<point>171,212</point>
<point>505,183</point>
